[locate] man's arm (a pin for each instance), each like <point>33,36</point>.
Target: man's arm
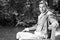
<point>53,26</point>
<point>33,28</point>
<point>53,21</point>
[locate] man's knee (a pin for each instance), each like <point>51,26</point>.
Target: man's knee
<point>18,35</point>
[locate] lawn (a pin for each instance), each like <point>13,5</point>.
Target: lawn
<point>10,33</point>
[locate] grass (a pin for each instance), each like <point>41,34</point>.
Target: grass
<point>10,33</point>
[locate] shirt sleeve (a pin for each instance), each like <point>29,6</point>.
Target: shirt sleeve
<point>52,20</point>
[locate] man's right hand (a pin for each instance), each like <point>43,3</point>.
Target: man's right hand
<point>26,29</point>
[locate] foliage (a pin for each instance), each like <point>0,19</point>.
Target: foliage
<point>10,8</point>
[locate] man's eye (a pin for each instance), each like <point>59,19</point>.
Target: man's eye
<point>44,6</point>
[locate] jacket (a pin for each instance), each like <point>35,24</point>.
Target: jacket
<point>45,20</point>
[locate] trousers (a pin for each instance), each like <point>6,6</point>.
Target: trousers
<point>30,36</point>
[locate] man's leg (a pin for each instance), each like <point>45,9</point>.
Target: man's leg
<point>24,35</point>
<point>27,35</point>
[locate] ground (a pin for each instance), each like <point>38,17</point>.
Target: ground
<point>10,33</point>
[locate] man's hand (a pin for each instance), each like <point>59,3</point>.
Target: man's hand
<point>50,27</point>
<point>26,29</point>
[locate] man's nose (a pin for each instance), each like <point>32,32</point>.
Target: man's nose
<point>41,8</point>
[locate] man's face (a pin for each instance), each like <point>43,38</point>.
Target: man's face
<point>42,8</point>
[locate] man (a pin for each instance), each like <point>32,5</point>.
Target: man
<point>46,20</point>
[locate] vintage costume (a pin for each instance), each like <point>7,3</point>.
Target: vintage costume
<point>44,21</point>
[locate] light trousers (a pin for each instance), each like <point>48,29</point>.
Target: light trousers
<point>28,35</point>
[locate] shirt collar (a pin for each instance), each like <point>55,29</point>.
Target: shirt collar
<point>45,12</point>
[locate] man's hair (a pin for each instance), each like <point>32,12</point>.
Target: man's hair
<point>43,2</point>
